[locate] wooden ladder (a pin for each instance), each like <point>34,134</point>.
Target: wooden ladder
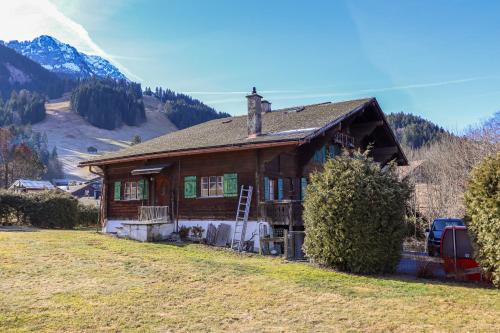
<point>242,212</point>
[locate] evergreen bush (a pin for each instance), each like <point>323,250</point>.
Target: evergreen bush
<point>354,215</point>
<point>482,202</point>
<point>52,209</point>
<point>44,209</point>
<point>88,215</point>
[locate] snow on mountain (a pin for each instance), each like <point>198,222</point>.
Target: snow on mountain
<point>64,59</point>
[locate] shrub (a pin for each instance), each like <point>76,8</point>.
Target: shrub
<point>184,232</point>
<point>52,209</point>
<point>46,209</point>
<point>354,215</point>
<point>88,215</point>
<point>483,214</point>
<point>12,207</point>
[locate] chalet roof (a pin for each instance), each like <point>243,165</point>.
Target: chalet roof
<point>283,125</point>
<point>32,184</point>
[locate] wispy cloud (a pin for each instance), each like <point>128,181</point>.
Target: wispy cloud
<point>27,19</point>
<point>240,92</point>
<point>297,94</point>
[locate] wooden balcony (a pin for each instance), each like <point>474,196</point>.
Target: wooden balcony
<point>285,212</point>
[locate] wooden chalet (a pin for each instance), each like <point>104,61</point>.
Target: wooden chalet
<point>196,173</point>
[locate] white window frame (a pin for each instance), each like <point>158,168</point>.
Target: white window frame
<point>131,191</point>
<point>212,186</point>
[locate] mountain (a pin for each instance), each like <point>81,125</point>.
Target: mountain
<point>18,72</point>
<point>64,59</point>
<point>414,131</point>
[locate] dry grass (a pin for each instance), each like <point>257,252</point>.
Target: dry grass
<point>67,281</point>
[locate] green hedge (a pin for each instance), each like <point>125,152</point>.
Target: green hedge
<point>354,215</point>
<point>482,202</point>
<point>45,209</point>
<point>88,215</point>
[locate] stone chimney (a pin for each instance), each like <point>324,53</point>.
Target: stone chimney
<point>266,106</point>
<point>254,120</point>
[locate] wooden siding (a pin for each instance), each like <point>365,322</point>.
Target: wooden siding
<point>289,163</point>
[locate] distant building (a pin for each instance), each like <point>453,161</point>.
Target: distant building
<point>90,189</point>
<point>92,150</point>
<point>27,185</point>
<point>60,182</point>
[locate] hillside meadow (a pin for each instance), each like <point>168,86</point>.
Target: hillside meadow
<point>68,281</point>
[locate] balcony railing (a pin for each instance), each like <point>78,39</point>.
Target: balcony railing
<point>154,214</point>
<point>284,212</point>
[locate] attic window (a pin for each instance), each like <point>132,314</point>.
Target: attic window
<point>227,121</point>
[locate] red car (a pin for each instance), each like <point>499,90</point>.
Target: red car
<point>457,253</point>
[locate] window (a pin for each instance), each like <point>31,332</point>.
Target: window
<point>272,183</point>
<point>320,155</point>
<point>212,186</point>
<point>132,191</point>
<point>273,189</point>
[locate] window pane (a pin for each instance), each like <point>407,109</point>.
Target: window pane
<point>271,189</point>
<point>220,186</point>
<point>204,186</point>
<point>213,186</point>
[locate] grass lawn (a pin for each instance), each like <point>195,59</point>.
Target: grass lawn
<point>67,281</point>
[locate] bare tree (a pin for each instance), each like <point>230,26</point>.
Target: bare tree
<point>444,173</point>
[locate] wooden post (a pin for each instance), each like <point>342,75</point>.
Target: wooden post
<point>257,183</point>
<point>104,199</point>
<point>285,236</point>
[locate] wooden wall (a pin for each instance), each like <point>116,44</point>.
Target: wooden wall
<point>289,163</point>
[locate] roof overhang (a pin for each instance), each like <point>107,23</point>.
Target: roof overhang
<point>372,101</point>
<point>188,152</point>
<point>150,169</point>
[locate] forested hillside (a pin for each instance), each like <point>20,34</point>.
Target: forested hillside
<point>109,104</point>
<point>183,110</point>
<point>25,154</point>
<point>414,131</point>
<point>17,72</point>
<point>22,108</point>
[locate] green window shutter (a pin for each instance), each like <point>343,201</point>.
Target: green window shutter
<point>190,187</point>
<point>323,154</point>
<point>266,189</point>
<point>303,185</point>
<point>280,188</point>
<point>144,189</point>
<point>118,191</point>
<point>230,184</point>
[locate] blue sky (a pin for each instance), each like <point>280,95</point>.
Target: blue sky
<point>437,59</point>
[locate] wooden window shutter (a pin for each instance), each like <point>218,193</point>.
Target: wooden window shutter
<point>323,154</point>
<point>280,188</point>
<point>266,189</point>
<point>230,184</point>
<point>303,185</point>
<point>190,187</point>
<point>118,191</point>
<point>144,189</point>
